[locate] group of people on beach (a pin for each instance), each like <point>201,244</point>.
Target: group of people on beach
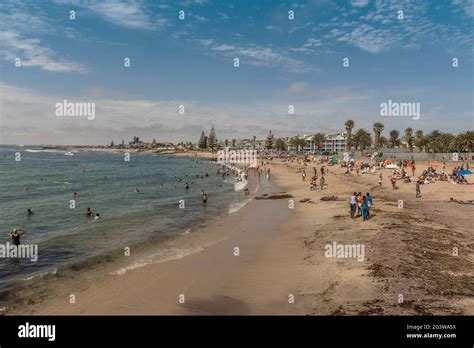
<point>360,205</point>
<point>313,182</point>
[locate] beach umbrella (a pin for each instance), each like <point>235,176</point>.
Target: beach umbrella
<point>463,172</point>
<point>392,166</point>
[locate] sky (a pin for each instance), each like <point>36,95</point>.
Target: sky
<point>282,61</point>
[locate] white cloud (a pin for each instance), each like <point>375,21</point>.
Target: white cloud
<point>258,56</point>
<point>359,3</point>
<point>466,5</point>
<point>223,47</point>
<point>126,13</point>
<point>33,54</point>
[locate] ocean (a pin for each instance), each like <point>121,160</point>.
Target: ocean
<point>68,242</point>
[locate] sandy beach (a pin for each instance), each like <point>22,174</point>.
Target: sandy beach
<point>280,265</point>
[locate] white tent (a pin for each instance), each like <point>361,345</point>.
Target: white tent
<point>392,166</point>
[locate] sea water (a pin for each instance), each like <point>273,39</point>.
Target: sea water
<point>45,182</point>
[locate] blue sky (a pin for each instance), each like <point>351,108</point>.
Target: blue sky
<point>190,62</point>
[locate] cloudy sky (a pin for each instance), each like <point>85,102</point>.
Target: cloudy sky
<point>190,62</point>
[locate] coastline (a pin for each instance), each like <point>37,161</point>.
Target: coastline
<point>282,255</point>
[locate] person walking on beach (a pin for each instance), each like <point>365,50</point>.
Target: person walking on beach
<point>418,191</point>
<point>394,182</point>
<point>268,174</point>
<point>368,199</point>
<point>353,204</point>
<point>303,174</point>
<point>380,180</point>
<point>364,208</point>
<point>359,203</point>
<point>322,182</point>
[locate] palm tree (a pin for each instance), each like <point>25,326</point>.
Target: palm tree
<point>362,139</point>
<point>349,127</point>
<point>464,141</point>
<point>318,139</point>
<point>434,145</point>
<point>447,142</point>
<point>394,141</point>
<point>383,141</point>
<point>409,138</point>
<point>419,140</point>
<point>378,129</point>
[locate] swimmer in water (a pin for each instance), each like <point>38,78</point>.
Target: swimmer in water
<point>16,234</point>
<point>136,190</point>
<point>186,186</point>
<point>29,212</point>
<point>88,212</point>
<point>204,197</point>
<point>97,216</point>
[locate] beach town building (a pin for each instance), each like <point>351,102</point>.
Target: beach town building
<point>333,143</point>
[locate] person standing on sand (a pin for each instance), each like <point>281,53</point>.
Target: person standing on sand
<point>413,168</point>
<point>359,202</point>
<point>364,208</point>
<point>322,182</point>
<point>368,199</point>
<point>394,182</point>
<point>380,180</point>
<point>303,174</point>
<point>418,191</point>
<point>268,174</point>
<point>353,204</point>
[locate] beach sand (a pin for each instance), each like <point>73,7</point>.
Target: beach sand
<point>408,253</point>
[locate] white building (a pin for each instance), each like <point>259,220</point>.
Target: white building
<point>333,143</point>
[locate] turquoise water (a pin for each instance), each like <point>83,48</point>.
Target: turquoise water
<point>45,181</point>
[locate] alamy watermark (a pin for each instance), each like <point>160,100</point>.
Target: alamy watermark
<point>345,251</point>
<point>396,109</point>
<point>226,157</point>
<point>70,109</point>
<point>22,251</point>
